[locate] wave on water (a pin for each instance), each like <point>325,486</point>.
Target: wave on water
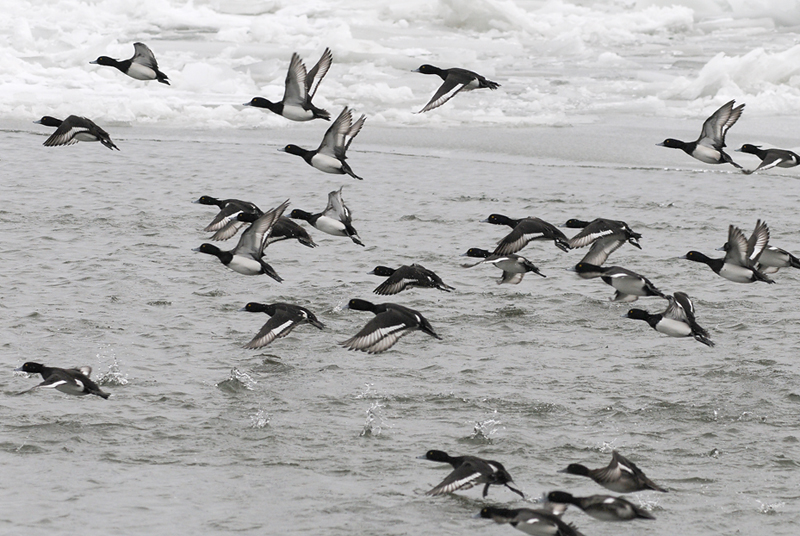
<point>558,62</point>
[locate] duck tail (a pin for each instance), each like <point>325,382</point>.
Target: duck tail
<point>562,244</point>
<point>759,276</point>
<point>515,490</point>
<point>705,340</point>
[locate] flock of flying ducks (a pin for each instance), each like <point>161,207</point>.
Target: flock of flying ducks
<point>620,475</point>
<point>746,260</point>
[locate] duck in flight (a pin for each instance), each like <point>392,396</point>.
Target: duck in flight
<point>741,255</point>
<point>248,256</point>
<point>709,146</point>
<point>391,322</point>
<point>621,475</point>
<point>770,157</point>
<point>676,321</point>
<point>284,317</point>
<point>142,66</point>
<point>330,156</point>
<point>602,507</point>
<point>455,80</point>
<point>524,231</point>
<point>629,285</point>
<point>300,88</point>
<point>335,220</point>
<point>71,381</point>
<point>406,277</point>
<point>469,471</point>
<point>514,266</point>
<point>533,522</point>
<point>74,129</point>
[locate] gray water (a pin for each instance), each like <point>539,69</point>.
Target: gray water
<point>201,436</point>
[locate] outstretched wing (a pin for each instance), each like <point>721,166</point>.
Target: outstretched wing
<point>318,72</point>
<point>279,325</point>
<point>144,56</point>
<point>295,91</point>
<point>446,91</point>
<point>335,136</point>
<point>253,240</point>
<point>715,127</point>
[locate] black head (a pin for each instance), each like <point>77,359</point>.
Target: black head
<point>254,307</point>
<point>211,249</point>
<point>383,271</point>
<point>427,69</point>
<point>499,219</point>
<point>360,305</point>
<point>500,515</point>
<point>31,367</point>
<point>49,121</point>
<point>671,143</point>
<point>259,102</point>
<point>436,456</point>
<point>585,268</point>
<point>476,252</point>
<point>638,314</point>
<point>576,469</point>
<point>248,216</point>
<point>298,214</point>
<point>208,200</point>
<point>695,256</point>
<point>104,60</point>
<point>293,149</point>
<point>749,148</point>
<point>575,223</point>
<point>561,497</point>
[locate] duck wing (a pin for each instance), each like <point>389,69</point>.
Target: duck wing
<point>144,56</point>
<point>757,241</point>
<point>279,325</point>
<point>67,131</point>
<point>772,158</point>
<point>737,247</point>
<point>530,229</point>
<point>318,72</point>
<point>229,212</point>
<point>380,333</point>
<point>715,127</point>
<point>253,240</point>
<point>619,464</point>
<point>335,136</point>
<point>352,132</point>
<point>295,93</point>
<point>683,310</point>
<point>595,230</point>
<point>336,209</point>
<point>446,91</point>
<point>465,476</point>
<point>601,249</point>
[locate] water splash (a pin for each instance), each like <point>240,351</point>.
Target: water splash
<point>368,392</point>
<point>260,419</point>
<point>769,509</point>
<point>375,421</point>
<point>483,431</point>
<point>237,381</point>
<point>112,376</point>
